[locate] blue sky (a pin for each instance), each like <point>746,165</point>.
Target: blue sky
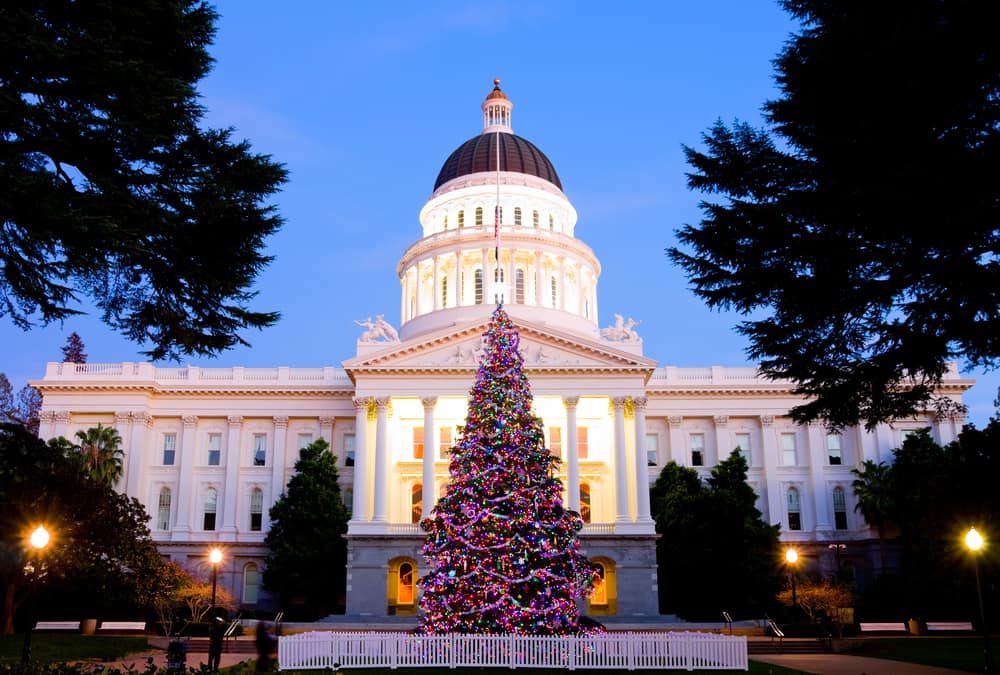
<point>363,102</point>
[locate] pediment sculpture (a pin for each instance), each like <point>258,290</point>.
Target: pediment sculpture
<point>622,330</point>
<point>378,330</point>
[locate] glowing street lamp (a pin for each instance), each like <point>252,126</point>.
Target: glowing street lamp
<point>38,539</point>
<point>215,557</point>
<point>792,558</point>
<point>974,542</point>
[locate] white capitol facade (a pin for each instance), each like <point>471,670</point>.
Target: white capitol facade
<point>209,450</point>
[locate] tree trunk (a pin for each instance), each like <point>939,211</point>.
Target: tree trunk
<point>9,607</point>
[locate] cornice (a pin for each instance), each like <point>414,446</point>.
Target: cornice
<point>146,388</point>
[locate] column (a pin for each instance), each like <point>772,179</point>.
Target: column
<point>641,465</point>
<point>562,283</point>
<point>511,281</point>
<point>677,448</point>
<point>280,455</point>
<point>573,453</point>
<point>430,450</point>
<point>359,512</point>
<point>380,494</point>
<point>621,461</point>
<point>186,458</point>
<point>817,460</point>
<point>232,474</point>
<point>419,283</point>
<point>581,293</point>
<point>459,281</point>
<point>539,278</point>
<point>437,283</point>
<point>770,457</point>
<point>723,441</point>
<point>141,423</point>
<point>123,423</point>
<point>402,298</point>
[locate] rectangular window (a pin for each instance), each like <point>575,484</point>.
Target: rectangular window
<point>259,449</point>
<point>583,442</point>
<point>305,440</point>
<point>743,445</point>
<point>555,441</point>
<point>794,510</point>
<point>169,449</point>
<point>348,449</point>
<point>163,514</point>
<point>256,510</point>
<point>833,449</point>
<point>418,442</point>
<point>214,449</point>
<point>211,505</point>
<point>789,456</point>
<point>839,509</point>
<point>444,443</point>
<point>652,449</point>
<point>697,449</point>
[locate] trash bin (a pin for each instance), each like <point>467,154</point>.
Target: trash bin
<point>177,657</point>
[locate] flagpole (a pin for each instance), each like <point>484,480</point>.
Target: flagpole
<point>496,225</point>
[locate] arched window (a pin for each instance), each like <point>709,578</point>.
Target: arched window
<point>251,583</point>
<point>794,509</point>
<point>401,591</point>
<point>517,215</point>
<point>553,286</point>
<point>163,510</point>
<point>211,504</point>
<point>444,291</point>
<point>603,599</point>
<point>839,508</point>
<point>445,225</point>
<point>585,502</point>
<point>519,286</point>
<point>600,594</point>
<point>256,509</point>
<point>479,216</point>
<point>406,594</point>
<point>461,218</point>
<point>416,503</point>
<point>534,218</point>
<point>479,287</point>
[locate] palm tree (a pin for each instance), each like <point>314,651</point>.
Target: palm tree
<point>874,499</point>
<point>101,453</point>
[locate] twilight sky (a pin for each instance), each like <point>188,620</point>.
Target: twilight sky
<point>363,102</point>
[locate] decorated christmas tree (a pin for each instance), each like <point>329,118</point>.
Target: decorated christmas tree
<point>503,552</point>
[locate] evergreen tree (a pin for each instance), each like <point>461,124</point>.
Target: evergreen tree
<point>503,551</point>
<point>73,349</point>
<point>858,231</point>
<point>308,560</point>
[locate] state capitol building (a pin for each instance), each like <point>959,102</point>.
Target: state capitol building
<point>209,450</point>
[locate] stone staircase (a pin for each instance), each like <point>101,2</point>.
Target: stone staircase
<point>788,646</point>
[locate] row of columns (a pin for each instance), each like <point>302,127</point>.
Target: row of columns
<point>413,283</point>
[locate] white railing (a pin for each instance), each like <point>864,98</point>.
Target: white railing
<point>623,651</point>
<point>145,373</point>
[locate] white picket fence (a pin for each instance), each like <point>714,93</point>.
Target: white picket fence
<point>624,651</point>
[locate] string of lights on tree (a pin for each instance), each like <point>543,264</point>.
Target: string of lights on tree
<point>503,552</point>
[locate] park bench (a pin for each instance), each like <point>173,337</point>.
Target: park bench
<point>952,626</point>
<point>57,625</point>
<point>121,626</point>
<point>882,627</point>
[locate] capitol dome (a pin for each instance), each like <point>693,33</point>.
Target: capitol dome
<point>479,154</point>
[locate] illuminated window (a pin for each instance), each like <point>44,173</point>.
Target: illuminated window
<point>444,291</point>
<point>788,452</point>
<point>600,594</point>
<point>251,584</point>
<point>585,502</point>
<point>479,287</point>
<point>163,510</point>
<point>534,218</point>
<point>583,442</point>
<point>461,218</point>
<point>256,509</point>
<point>211,504</point>
<point>445,224</point>
<point>519,286</point>
<point>401,588</point>
<point>418,442</point>
<point>743,446</point>
<point>479,216</point>
<point>517,215</point>
<point>553,287</point>
<point>697,449</point>
<point>416,503</point>
<point>839,508</point>
<point>259,449</point>
<point>444,442</point>
<point>555,441</point>
<point>794,510</point>
<point>552,222</point>
<point>169,449</point>
<point>214,449</point>
<point>833,449</point>
<point>406,588</point>
<point>348,449</point>
<point>603,599</point>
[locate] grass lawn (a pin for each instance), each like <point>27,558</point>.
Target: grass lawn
<point>755,669</point>
<point>960,653</point>
<point>56,647</point>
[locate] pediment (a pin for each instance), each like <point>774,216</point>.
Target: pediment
<point>460,347</point>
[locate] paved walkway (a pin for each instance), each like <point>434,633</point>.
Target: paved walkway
<point>844,664</point>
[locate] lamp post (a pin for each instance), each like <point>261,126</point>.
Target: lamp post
<point>974,542</point>
<point>39,539</point>
<point>792,557</point>
<point>215,557</point>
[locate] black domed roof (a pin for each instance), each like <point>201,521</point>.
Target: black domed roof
<point>479,154</point>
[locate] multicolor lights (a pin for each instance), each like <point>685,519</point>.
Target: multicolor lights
<point>503,551</point>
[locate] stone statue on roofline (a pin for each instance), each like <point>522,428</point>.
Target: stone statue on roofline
<point>622,330</point>
<point>377,330</point>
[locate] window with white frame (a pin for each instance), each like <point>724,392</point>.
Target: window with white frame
<point>478,286</point>
<point>445,224</point>
<point>169,449</point>
<point>461,218</point>
<point>839,508</point>
<point>259,449</point>
<point>794,509</point>
<point>552,222</point>
<point>519,286</point>
<point>444,442</point>
<point>517,215</point>
<point>348,449</point>
<point>479,216</point>
<point>583,442</point>
<point>163,510</point>
<point>534,218</point>
<point>743,445</point>
<point>555,441</point>
<point>214,449</point>
<point>251,584</point>
<point>256,509</point>
<point>305,440</point>
<point>789,455</point>
<point>585,512</point>
<point>652,449</point>
<point>697,443</point>
<point>444,290</point>
<point>211,506</point>
<point>554,288</point>
<point>833,451</point>
<point>416,503</point>
<point>418,442</point>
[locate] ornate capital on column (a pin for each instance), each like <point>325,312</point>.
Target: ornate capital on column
<point>639,402</point>
<point>122,418</point>
<point>428,402</point>
<point>280,421</point>
<point>767,420</point>
<point>383,403</point>
<point>361,403</point>
<point>674,420</point>
<point>571,401</point>
<point>190,420</point>
<point>46,416</point>
<point>721,420</point>
<point>61,416</point>
<point>816,423</point>
<point>142,417</point>
<point>235,421</point>
<point>619,402</point>
<point>325,422</point>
